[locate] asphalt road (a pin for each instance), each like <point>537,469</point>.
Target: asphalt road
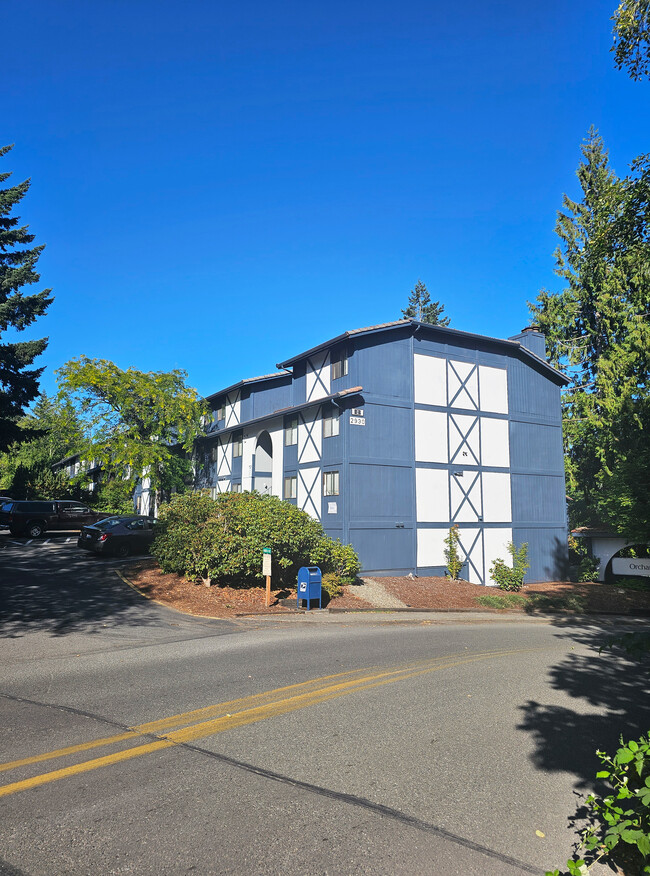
<point>137,740</point>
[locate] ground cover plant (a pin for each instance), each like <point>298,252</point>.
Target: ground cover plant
<point>222,540</point>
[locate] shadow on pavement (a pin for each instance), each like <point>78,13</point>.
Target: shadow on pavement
<point>566,739</point>
<point>62,590</point>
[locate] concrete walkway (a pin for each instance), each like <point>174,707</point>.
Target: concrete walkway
<point>375,593</point>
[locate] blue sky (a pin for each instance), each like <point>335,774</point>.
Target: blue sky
<point>221,186</point>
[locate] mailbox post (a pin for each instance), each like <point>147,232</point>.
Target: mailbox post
<point>309,586</point>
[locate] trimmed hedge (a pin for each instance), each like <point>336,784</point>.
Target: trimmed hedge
<point>223,538</point>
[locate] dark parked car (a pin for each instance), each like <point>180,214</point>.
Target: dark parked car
<point>119,536</point>
<point>35,518</point>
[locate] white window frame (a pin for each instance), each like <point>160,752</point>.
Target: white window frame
<point>339,366</point>
<point>292,482</point>
<point>221,411</point>
<point>235,488</point>
<point>237,441</point>
<point>291,431</point>
<point>331,483</point>
<point>331,422</point>
<point>214,454</point>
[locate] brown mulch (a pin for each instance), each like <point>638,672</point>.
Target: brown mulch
<point>174,591</point>
<point>443,594</point>
<point>438,594</point>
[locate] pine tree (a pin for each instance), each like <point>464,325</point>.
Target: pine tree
<point>422,308</point>
<point>597,332</point>
<point>18,382</point>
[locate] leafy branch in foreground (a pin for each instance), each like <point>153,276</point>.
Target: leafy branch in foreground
<point>623,814</point>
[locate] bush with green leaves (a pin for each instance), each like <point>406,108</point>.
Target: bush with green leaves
<point>222,539</point>
<point>622,816</point>
<point>511,577</point>
<point>454,562</point>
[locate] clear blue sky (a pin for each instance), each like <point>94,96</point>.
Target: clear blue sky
<point>222,185</point>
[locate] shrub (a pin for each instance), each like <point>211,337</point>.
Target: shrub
<point>582,567</point>
<point>624,813</point>
<point>511,578</point>
<point>331,584</point>
<point>223,539</point>
<point>454,562</point>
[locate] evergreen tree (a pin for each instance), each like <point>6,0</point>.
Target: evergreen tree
<point>597,332</point>
<point>18,382</point>
<point>422,308</point>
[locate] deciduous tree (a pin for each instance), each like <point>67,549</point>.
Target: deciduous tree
<point>632,37</point>
<point>134,421</point>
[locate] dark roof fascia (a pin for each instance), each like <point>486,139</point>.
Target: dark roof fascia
<point>246,382</point>
<point>415,326</point>
<point>67,459</point>
<point>283,412</point>
<point>373,330</point>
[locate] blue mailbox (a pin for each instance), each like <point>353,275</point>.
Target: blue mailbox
<point>309,585</point>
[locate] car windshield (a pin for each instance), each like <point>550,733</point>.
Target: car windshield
<point>109,523</point>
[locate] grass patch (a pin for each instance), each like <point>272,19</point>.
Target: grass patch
<point>641,584</point>
<point>504,600</point>
<point>543,602</point>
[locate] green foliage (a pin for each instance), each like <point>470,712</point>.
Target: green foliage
<point>509,600</point>
<point>454,562</point>
<point>331,584</point>
<point>113,496</point>
<point>632,37</point>
<point>133,420</point>
<point>422,308</point>
<point>598,333</point>
<point>622,816</point>
<point>50,432</point>
<point>223,539</point>
<point>511,577</point>
<point>18,382</point>
<point>582,567</point>
<point>563,602</point>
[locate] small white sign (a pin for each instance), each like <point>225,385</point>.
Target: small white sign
<point>331,508</point>
<point>357,412</point>
<point>357,421</point>
<point>631,566</point>
<point>266,562</point>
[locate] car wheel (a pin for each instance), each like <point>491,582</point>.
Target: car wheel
<point>35,530</point>
<point>122,550</point>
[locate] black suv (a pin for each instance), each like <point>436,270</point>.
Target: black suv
<point>34,518</point>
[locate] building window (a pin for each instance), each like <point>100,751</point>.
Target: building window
<point>237,444</point>
<point>291,431</point>
<point>213,454</point>
<point>330,421</point>
<point>330,483</point>
<point>235,488</point>
<point>339,364</point>
<point>221,411</point>
<point>291,487</point>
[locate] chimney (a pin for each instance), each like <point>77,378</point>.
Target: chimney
<point>531,338</point>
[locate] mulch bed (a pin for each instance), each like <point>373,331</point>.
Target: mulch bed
<point>439,594</point>
<point>443,594</point>
<point>216,601</point>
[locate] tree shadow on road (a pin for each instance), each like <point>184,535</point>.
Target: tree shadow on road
<point>61,591</point>
<point>611,698</point>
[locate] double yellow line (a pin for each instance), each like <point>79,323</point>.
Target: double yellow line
<point>214,719</point>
